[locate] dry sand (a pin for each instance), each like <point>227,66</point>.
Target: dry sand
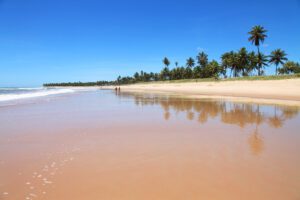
<point>262,91</point>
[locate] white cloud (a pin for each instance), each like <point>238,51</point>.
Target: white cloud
<point>265,45</point>
<point>200,49</point>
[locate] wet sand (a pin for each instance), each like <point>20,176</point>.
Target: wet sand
<point>107,145</point>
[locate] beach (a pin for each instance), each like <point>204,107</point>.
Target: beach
<point>149,100</point>
<point>106,144</point>
<point>269,91</point>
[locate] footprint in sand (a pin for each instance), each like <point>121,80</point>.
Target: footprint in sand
<point>51,169</point>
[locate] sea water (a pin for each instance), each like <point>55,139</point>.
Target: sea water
<point>9,94</point>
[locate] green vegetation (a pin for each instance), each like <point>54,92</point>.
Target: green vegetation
<point>243,78</point>
<point>290,68</point>
<point>77,84</point>
<point>241,64</point>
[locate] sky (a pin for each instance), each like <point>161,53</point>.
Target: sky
<point>88,40</point>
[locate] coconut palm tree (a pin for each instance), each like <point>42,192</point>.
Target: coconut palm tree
<point>165,74</point>
<point>202,59</point>
<point>243,61</point>
<point>257,36</point>
<point>252,62</point>
<point>136,76</point>
<point>262,61</point>
<point>166,62</point>
<point>176,64</point>
<point>277,57</point>
<point>190,62</point>
<point>230,60</point>
<point>211,70</point>
<point>187,72</point>
<point>226,61</point>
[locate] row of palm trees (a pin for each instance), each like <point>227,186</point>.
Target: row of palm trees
<point>251,61</point>
<point>245,63</point>
<point>76,84</point>
<point>233,63</point>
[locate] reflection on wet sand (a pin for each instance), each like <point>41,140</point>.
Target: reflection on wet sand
<point>230,113</point>
<point>98,145</point>
<point>240,114</point>
<point>256,143</point>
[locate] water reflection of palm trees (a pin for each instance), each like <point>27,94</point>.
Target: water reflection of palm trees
<point>256,142</point>
<point>242,114</point>
<point>167,115</point>
<point>230,113</point>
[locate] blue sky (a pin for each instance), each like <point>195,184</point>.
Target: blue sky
<point>88,40</point>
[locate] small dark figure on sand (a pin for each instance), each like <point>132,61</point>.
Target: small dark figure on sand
<point>117,89</point>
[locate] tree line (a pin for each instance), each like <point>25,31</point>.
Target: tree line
<point>77,84</point>
<point>239,63</point>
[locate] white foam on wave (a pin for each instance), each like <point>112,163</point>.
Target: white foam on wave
<point>9,97</point>
<point>17,88</point>
<point>36,88</point>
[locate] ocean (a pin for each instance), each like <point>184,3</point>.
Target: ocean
<point>8,94</point>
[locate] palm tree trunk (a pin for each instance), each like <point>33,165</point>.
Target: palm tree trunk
<point>258,53</point>
<point>276,71</point>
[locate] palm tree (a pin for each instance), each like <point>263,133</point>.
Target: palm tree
<point>176,64</point>
<point>136,76</point>
<point>230,60</point>
<point>212,69</point>
<point>262,61</point>
<point>226,61</point>
<point>243,61</point>
<point>187,72</point>
<point>252,62</point>
<point>190,62</point>
<point>166,62</point>
<point>257,36</point>
<point>165,73</point>
<point>202,59</point>
<point>277,57</point>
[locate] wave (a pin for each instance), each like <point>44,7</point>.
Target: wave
<point>37,88</point>
<point>20,88</point>
<point>9,97</point>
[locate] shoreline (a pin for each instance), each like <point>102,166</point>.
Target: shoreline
<point>285,92</point>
